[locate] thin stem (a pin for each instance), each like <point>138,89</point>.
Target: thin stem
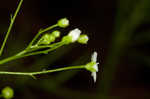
<point>39,33</point>
<point>10,27</point>
<point>32,74</point>
<point>23,53</point>
<point>45,51</point>
<point>34,48</point>
<point>9,59</point>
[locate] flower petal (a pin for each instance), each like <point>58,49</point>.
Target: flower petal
<point>96,67</point>
<point>93,74</point>
<point>75,34</point>
<point>94,57</point>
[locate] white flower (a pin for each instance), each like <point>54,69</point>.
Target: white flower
<point>93,66</point>
<point>74,34</point>
<point>94,59</point>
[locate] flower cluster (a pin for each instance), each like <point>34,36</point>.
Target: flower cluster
<point>48,38</point>
<point>41,44</point>
<point>74,35</point>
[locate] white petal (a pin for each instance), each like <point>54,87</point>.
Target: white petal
<point>93,74</point>
<point>96,67</point>
<point>75,34</point>
<point>94,57</point>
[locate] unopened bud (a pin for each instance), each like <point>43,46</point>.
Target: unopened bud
<point>64,22</point>
<point>67,39</point>
<point>56,33</point>
<point>46,39</point>
<point>83,39</point>
<point>7,93</point>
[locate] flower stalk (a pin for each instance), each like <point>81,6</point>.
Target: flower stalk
<point>31,74</point>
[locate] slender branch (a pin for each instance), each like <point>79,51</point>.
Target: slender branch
<point>23,53</point>
<point>35,48</point>
<point>9,59</point>
<point>10,27</point>
<point>45,51</point>
<point>32,74</point>
<point>39,33</point>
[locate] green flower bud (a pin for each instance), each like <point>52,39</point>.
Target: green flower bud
<point>67,39</point>
<point>7,93</point>
<point>56,33</point>
<point>46,39</point>
<point>83,39</point>
<point>64,22</point>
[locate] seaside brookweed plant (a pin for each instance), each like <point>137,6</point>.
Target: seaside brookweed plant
<point>43,43</point>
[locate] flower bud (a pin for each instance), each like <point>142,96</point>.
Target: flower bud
<point>67,39</point>
<point>56,33</point>
<point>46,39</point>
<point>64,22</point>
<point>83,39</point>
<point>7,93</point>
<point>74,34</point>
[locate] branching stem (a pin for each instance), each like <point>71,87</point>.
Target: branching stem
<point>39,33</point>
<point>27,52</point>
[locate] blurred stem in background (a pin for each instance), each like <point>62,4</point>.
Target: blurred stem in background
<point>10,26</point>
<point>120,41</point>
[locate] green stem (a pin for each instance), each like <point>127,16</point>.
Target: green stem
<point>10,27</point>
<point>23,53</point>
<point>32,74</point>
<point>45,51</point>
<point>10,59</point>
<point>35,48</point>
<point>39,33</point>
